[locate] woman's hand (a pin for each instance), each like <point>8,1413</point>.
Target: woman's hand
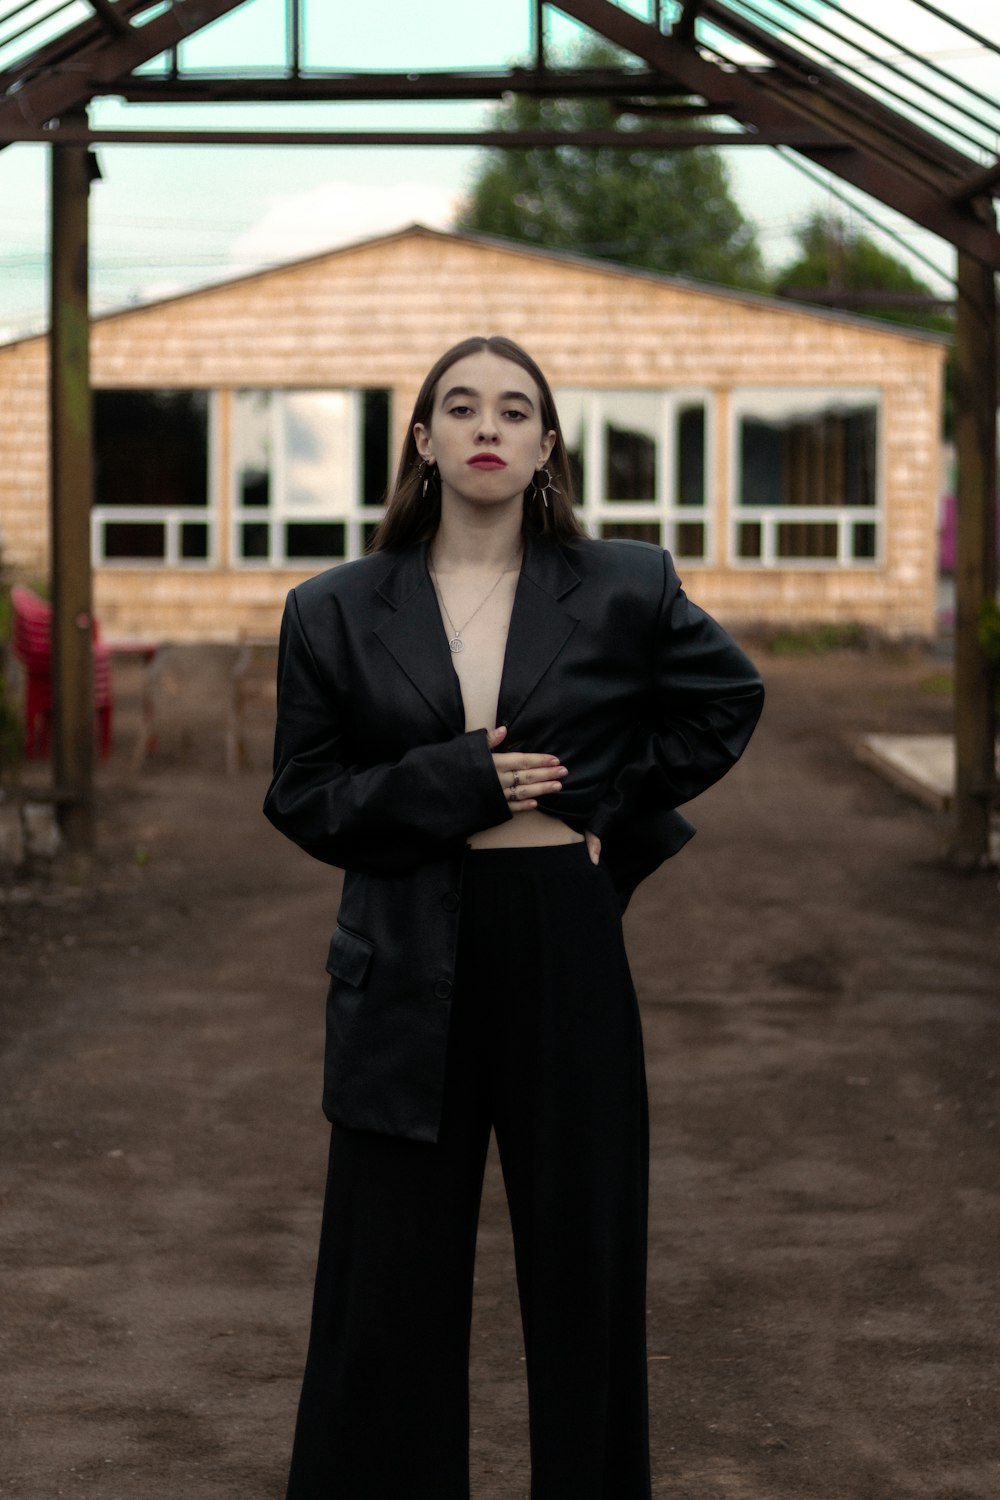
<point>524,776</point>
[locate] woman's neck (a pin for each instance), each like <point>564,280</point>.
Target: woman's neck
<point>477,540</point>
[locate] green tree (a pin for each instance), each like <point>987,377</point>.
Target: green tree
<point>670,211</point>
<point>835,257</point>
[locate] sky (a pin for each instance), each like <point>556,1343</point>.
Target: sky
<point>168,218</point>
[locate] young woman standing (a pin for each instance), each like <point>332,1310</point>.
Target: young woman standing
<point>489,724</point>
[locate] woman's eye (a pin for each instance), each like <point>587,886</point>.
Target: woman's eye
<point>459,411</point>
<point>518,416</point>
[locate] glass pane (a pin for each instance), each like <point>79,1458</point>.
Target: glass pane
<point>637,531</point>
<point>760,464</point>
<point>375,447</point>
<point>339,38</point>
<point>315,539</point>
<point>807,539</point>
<point>135,540</point>
<point>689,433</point>
<point>864,540</point>
<point>255,539</point>
<point>860,449</point>
<point>689,539</point>
<point>571,406</point>
<point>631,429</point>
<point>802,448</point>
<point>319,447</point>
<point>748,539</point>
<point>151,448</point>
<point>194,540</point>
<point>252,458</point>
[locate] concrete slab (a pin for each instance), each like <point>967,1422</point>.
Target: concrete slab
<point>922,765</point>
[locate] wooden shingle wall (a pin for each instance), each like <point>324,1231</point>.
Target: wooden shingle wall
<point>380,313</point>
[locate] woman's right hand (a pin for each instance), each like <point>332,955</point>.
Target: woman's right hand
<point>524,776</point>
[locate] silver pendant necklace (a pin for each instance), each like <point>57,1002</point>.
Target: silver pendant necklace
<point>455,641</point>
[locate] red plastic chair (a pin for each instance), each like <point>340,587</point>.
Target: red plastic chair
<point>33,648</point>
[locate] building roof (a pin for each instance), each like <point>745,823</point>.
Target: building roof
<point>604,268</point>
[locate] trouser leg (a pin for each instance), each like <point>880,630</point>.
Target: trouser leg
<point>384,1412</point>
<point>570,1115</point>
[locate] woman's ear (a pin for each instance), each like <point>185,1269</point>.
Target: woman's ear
<point>422,438</point>
<point>545,452</point>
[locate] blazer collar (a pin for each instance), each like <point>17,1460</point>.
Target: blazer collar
<point>540,626</point>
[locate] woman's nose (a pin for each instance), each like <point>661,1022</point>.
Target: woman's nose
<point>487,431</point>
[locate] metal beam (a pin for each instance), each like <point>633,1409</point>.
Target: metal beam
<point>975,558</point>
<point>64,46</point>
<point>987,181</point>
<point>538,32</point>
<point>111,18</point>
<point>683,27</point>
<point>887,166</point>
<point>331,88</point>
<point>94,67</point>
<point>515,140</point>
<point>801,81</point>
<point>69,508</point>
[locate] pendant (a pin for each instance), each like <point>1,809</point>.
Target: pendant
<point>457,644</point>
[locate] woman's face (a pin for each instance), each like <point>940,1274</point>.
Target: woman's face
<point>485,431</point>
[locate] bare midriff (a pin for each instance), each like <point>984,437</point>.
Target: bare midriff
<point>525,830</point>
<point>479,667</point>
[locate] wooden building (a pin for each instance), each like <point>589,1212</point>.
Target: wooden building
<point>244,433</point>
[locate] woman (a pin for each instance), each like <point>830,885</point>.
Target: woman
<point>489,724</point>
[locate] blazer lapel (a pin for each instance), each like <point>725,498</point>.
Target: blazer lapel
<point>415,636</point>
<point>540,624</point>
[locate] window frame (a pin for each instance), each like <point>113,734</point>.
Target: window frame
<point>595,511</point>
<point>770,517</point>
<point>280,512</point>
<point>171,517</point>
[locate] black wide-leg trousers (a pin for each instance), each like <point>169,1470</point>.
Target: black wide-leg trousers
<point>545,1047</point>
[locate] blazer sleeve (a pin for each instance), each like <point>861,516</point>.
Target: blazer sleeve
<point>376,819</point>
<point>705,697</point>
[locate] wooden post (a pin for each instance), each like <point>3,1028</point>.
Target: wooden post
<point>70,496</point>
<point>976,556</point>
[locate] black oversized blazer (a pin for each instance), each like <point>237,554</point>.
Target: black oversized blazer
<point>608,665</point>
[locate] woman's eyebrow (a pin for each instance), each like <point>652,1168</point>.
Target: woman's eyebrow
<point>467,390</point>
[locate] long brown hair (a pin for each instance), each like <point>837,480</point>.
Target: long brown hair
<point>411,515</point>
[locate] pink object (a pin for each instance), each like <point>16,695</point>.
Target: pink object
<point>946,535</point>
<point>33,649</point>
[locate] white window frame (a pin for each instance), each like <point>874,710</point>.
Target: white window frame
<point>172,517</point>
<point>279,511</point>
<point>770,517</point>
<point>595,510</point>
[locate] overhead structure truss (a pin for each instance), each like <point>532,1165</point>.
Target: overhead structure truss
<point>816,82</point>
<point>909,157</point>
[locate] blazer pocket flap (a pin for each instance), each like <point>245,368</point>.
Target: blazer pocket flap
<point>349,957</point>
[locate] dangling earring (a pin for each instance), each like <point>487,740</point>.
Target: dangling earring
<point>541,491</point>
<point>426,470</point>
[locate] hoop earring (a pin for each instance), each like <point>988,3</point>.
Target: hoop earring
<point>542,491</point>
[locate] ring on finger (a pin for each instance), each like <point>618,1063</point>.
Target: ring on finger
<point>515,780</point>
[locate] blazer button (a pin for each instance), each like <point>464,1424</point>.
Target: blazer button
<point>450,901</point>
<point>442,989</point>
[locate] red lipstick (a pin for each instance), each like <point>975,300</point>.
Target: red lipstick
<point>486,461</point>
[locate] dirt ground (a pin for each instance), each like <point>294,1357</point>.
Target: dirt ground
<point>820,1001</point>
